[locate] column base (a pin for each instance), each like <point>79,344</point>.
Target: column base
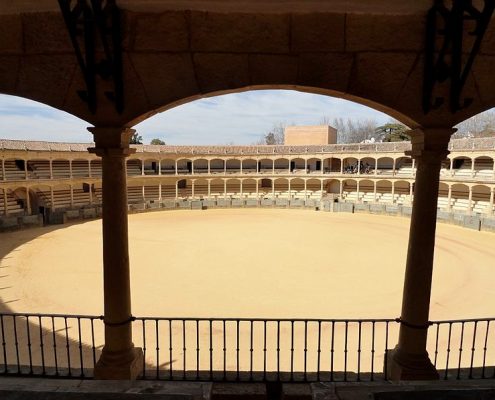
<point>118,366</point>
<point>409,367</point>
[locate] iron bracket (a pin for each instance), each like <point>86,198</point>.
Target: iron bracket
<point>448,62</point>
<point>86,21</point>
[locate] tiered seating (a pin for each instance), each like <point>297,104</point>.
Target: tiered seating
<point>13,172</point>
<point>40,169</point>
<point>151,193</point>
<point>60,169</point>
<point>134,194</point>
<point>481,207</point>
<point>14,206</point>
<point>443,203</point>
<point>460,205</point>
<point>96,168</point>
<point>133,167</point>
<point>80,169</point>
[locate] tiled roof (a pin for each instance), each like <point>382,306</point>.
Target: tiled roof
<point>456,144</point>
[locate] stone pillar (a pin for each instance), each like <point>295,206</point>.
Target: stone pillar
<point>142,168</point>
<point>119,358</point>
<point>257,188</point>
<point>209,187</point>
<point>393,192</point>
<point>25,170</point>
<point>52,198</point>
<point>192,167</point>
<point>451,171</point>
<point>273,167</point>
<point>176,171</point>
<point>472,167</point>
<point>192,188</point>
<point>393,167</point>
<point>51,169</point>
<point>288,183</point>
<point>305,166</point>
<point>176,189</point>
<point>493,170</point>
<point>71,196</point>
<point>374,191</point>
<point>3,170</point>
<point>413,167</point>
<point>241,167</point>
<point>159,168</point>
<point>305,190</point>
<point>224,167</point>
<point>409,360</point>
<point>160,192</point>
<point>341,188</point>
<point>91,194</point>
<point>240,180</point>
<point>341,166</point>
<point>225,188</point>
<point>357,189</point>
<point>209,167</point>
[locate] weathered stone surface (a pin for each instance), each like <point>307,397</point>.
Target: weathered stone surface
<point>196,205</point>
<point>330,71</point>
<point>366,32</point>
<point>46,78</point>
<point>46,33</point>
<point>221,71</point>
<point>237,202</point>
<point>239,32</point>
<point>165,77</point>
<point>317,32</point>
<point>273,69</point>
<point>472,222</point>
<point>10,34</point>
<point>9,69</point>
<point>161,32</point>
<point>391,70</point>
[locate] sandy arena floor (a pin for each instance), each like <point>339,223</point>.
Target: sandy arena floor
<point>245,263</point>
<point>249,263</point>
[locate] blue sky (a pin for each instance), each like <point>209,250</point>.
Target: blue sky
<point>240,118</point>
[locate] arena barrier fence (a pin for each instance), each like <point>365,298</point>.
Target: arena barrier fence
<point>242,349</point>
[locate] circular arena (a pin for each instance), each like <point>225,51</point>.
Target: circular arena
<point>246,289</point>
<point>267,263</point>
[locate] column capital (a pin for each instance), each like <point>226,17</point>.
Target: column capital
<point>430,144</point>
<point>111,141</point>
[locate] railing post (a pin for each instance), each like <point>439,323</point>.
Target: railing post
<point>409,360</point>
<point>119,358</point>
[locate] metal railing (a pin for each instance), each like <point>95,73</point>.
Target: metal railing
<point>241,349</point>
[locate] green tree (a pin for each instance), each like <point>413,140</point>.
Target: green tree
<point>136,139</point>
<point>393,132</point>
<point>157,141</point>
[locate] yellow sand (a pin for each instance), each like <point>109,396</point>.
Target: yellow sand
<point>248,263</point>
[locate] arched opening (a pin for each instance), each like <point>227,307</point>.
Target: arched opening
<point>282,166</point>
<point>297,188</point>
<point>168,166</point>
<point>349,190</point>
<point>38,169</point>
<point>297,166</point>
<point>443,196</point>
<point>249,188</point>
<point>351,165</point>
<point>217,166</point>
<point>367,191</point>
<point>368,165</point>
<point>233,187</point>
<point>484,167</point>
<point>332,186</point>
<point>462,167</point>
<point>332,165</point>
<point>402,193</point>
<point>314,165</point>
<point>217,188</point>
<point>404,166</point>
<point>313,189</point>
<point>249,166</point>
<point>265,166</point>
<point>200,166</point>
<point>281,187</point>
<point>233,166</point>
<point>385,166</point>
<point>184,166</point>
<point>60,169</point>
<point>151,166</point>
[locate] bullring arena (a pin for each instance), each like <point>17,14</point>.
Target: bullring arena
<point>214,296</point>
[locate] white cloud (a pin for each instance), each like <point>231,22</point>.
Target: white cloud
<point>240,118</point>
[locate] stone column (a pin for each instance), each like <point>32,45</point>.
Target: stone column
<point>192,167</point>
<point>493,170</point>
<point>341,166</point>
<point>357,190</point>
<point>119,358</point>
<point>225,188</point>
<point>451,171</point>
<point>176,190</point>
<point>160,192</point>
<point>52,198</point>
<point>159,168</point>
<point>25,170</point>
<point>209,188</point>
<point>376,166</point>
<point>472,167</point>
<point>305,166</point>
<point>142,168</point>
<point>393,192</point>
<point>192,188</point>
<point>51,169</point>
<point>176,172</point>
<point>71,196</point>
<point>3,170</point>
<point>241,167</point>
<point>240,180</point>
<point>341,188</point>
<point>374,191</point>
<point>91,194</point>
<point>409,360</point>
<point>393,167</point>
